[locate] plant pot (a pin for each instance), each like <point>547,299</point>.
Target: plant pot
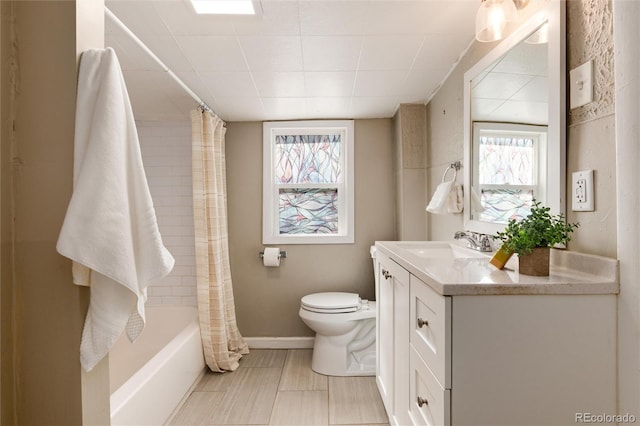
<point>535,263</point>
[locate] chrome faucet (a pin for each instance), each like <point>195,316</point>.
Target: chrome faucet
<point>478,242</point>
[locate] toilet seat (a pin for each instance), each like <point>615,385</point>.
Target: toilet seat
<point>331,302</point>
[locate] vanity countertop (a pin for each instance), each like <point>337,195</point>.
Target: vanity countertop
<point>469,272</point>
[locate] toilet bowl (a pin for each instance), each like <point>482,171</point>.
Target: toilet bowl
<point>345,342</point>
<point>345,327</point>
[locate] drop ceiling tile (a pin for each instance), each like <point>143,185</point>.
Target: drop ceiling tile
<point>374,107</point>
<point>181,19</point>
<point>536,90</point>
<point>130,55</point>
<point>420,17</point>
<point>420,85</point>
<point>338,53</point>
<point>332,17</point>
<point>167,49</point>
<point>279,83</point>
<point>277,18</point>
<point>285,108</point>
<point>193,80</point>
<point>229,83</point>
<point>329,83</point>
<point>522,112</point>
<point>483,108</point>
<point>213,53</point>
<point>500,86</point>
<point>451,17</point>
<point>130,13</point>
<point>320,108</point>
<point>272,53</point>
<point>391,52</point>
<point>440,51</point>
<point>239,109</point>
<point>379,83</point>
<point>529,59</point>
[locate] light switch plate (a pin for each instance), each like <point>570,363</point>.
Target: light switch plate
<point>582,191</point>
<point>581,85</point>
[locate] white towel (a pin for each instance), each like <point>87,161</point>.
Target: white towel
<point>440,201</point>
<point>110,226</point>
<point>455,203</point>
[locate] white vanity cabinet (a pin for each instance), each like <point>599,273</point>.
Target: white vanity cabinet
<point>535,351</point>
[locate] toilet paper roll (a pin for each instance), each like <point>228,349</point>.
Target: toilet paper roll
<point>271,257</point>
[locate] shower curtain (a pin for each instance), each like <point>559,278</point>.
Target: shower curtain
<point>221,339</point>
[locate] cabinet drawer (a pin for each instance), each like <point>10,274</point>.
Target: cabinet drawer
<point>430,316</point>
<point>429,403</point>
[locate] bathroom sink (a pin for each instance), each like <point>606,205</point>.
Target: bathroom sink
<point>439,250</point>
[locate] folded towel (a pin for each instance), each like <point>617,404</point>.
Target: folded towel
<point>110,226</point>
<point>440,200</point>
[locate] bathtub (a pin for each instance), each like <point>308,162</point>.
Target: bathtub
<point>150,377</point>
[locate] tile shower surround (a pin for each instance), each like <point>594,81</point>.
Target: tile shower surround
<point>166,154</point>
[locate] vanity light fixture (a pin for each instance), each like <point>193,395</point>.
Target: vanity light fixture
<point>226,7</point>
<point>493,19</point>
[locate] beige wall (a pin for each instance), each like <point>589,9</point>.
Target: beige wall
<point>591,137</point>
<point>591,128</point>
<point>42,312</point>
<point>445,134</point>
<point>409,134</point>
<point>268,299</point>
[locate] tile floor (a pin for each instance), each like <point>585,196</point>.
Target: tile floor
<point>278,387</point>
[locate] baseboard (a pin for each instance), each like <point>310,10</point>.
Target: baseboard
<point>279,342</point>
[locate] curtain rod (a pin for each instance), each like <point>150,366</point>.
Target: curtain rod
<point>201,104</point>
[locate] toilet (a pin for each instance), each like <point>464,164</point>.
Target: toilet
<point>345,326</point>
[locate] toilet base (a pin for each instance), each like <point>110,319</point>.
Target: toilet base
<point>352,354</point>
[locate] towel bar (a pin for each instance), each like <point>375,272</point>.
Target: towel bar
<point>455,166</point>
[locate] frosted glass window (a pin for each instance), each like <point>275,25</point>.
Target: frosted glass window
<point>508,173</point>
<point>308,211</point>
<point>500,205</point>
<point>308,182</point>
<point>308,158</point>
<point>506,161</point>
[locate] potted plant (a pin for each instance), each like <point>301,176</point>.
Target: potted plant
<point>532,237</point>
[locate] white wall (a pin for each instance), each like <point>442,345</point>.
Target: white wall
<point>166,154</point>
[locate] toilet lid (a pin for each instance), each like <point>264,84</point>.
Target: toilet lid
<point>336,302</point>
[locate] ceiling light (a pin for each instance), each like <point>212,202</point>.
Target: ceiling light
<point>494,18</point>
<point>225,7</point>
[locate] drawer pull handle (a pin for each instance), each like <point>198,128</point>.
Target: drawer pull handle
<point>386,274</point>
<point>422,401</point>
<point>422,323</point>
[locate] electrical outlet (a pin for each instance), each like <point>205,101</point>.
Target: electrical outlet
<point>582,191</point>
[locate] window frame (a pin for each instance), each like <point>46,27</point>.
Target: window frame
<point>345,185</point>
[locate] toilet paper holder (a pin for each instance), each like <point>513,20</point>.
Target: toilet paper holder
<point>282,255</point>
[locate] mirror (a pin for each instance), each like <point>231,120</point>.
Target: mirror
<point>514,112</point>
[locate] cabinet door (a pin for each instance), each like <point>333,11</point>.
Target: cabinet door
<point>401,330</point>
<point>384,331</point>
<point>431,329</point>
<point>429,403</point>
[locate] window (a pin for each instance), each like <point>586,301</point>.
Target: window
<point>308,182</point>
<point>509,172</point>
